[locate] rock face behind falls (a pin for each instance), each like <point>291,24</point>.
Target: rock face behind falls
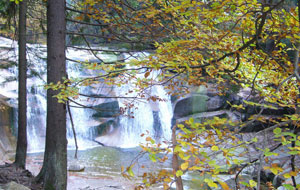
<point>206,102</point>
<point>7,139</point>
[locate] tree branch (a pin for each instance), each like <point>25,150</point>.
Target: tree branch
<point>85,23</point>
<point>73,129</point>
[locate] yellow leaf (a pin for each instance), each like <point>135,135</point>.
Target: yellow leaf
<point>274,171</point>
<point>168,180</point>
<point>252,183</point>
<point>166,186</point>
<point>184,166</point>
<point>212,184</point>
<point>293,173</point>
<point>224,185</point>
<point>214,148</point>
<point>286,175</point>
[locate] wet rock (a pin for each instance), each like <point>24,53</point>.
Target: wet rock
<point>76,168</point>
<point>105,110</point>
<point>230,180</point>
<point>107,187</point>
<point>200,117</point>
<point>7,139</point>
<point>102,129</point>
<point>157,125</point>
<point>190,106</point>
<point>268,176</point>
<point>14,186</point>
<point>111,187</point>
<point>198,103</point>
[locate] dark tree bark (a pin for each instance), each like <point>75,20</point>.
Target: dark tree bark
<point>175,161</point>
<point>54,170</point>
<point>21,152</point>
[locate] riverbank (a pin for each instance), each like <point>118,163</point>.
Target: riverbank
<point>102,168</point>
<point>76,180</point>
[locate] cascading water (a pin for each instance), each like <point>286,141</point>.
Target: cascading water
<point>154,117</point>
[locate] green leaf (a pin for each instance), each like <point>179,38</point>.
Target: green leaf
<point>130,172</point>
<point>183,157</point>
<point>288,186</point>
<point>294,152</point>
<point>212,162</point>
<point>152,141</point>
<point>152,157</point>
<point>177,149</point>
<point>289,134</point>
<point>245,183</point>
<point>191,120</point>
<point>277,131</point>
<point>268,153</point>
<point>252,183</point>
<point>210,183</point>
<point>179,173</point>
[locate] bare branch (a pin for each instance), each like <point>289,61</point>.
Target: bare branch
<point>85,23</point>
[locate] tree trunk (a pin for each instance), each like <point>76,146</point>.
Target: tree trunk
<point>175,161</point>
<point>20,158</point>
<point>54,170</point>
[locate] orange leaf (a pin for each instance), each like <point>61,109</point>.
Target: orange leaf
<point>224,185</point>
<point>147,74</point>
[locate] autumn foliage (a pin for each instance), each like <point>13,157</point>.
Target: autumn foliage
<point>243,44</point>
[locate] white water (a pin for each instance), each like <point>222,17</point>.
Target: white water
<point>154,117</point>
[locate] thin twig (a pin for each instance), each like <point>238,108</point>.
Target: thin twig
<point>73,129</point>
<point>293,163</point>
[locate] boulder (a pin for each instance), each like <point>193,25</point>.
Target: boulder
<point>14,186</point>
<point>106,110</point>
<point>200,117</point>
<point>267,176</point>
<point>76,168</point>
<point>191,105</point>
<point>199,103</point>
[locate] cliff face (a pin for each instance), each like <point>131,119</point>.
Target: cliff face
<point>7,139</point>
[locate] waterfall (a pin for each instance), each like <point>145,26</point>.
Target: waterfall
<point>149,118</point>
<point>154,117</point>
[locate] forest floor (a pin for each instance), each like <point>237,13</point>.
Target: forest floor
<point>9,172</point>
